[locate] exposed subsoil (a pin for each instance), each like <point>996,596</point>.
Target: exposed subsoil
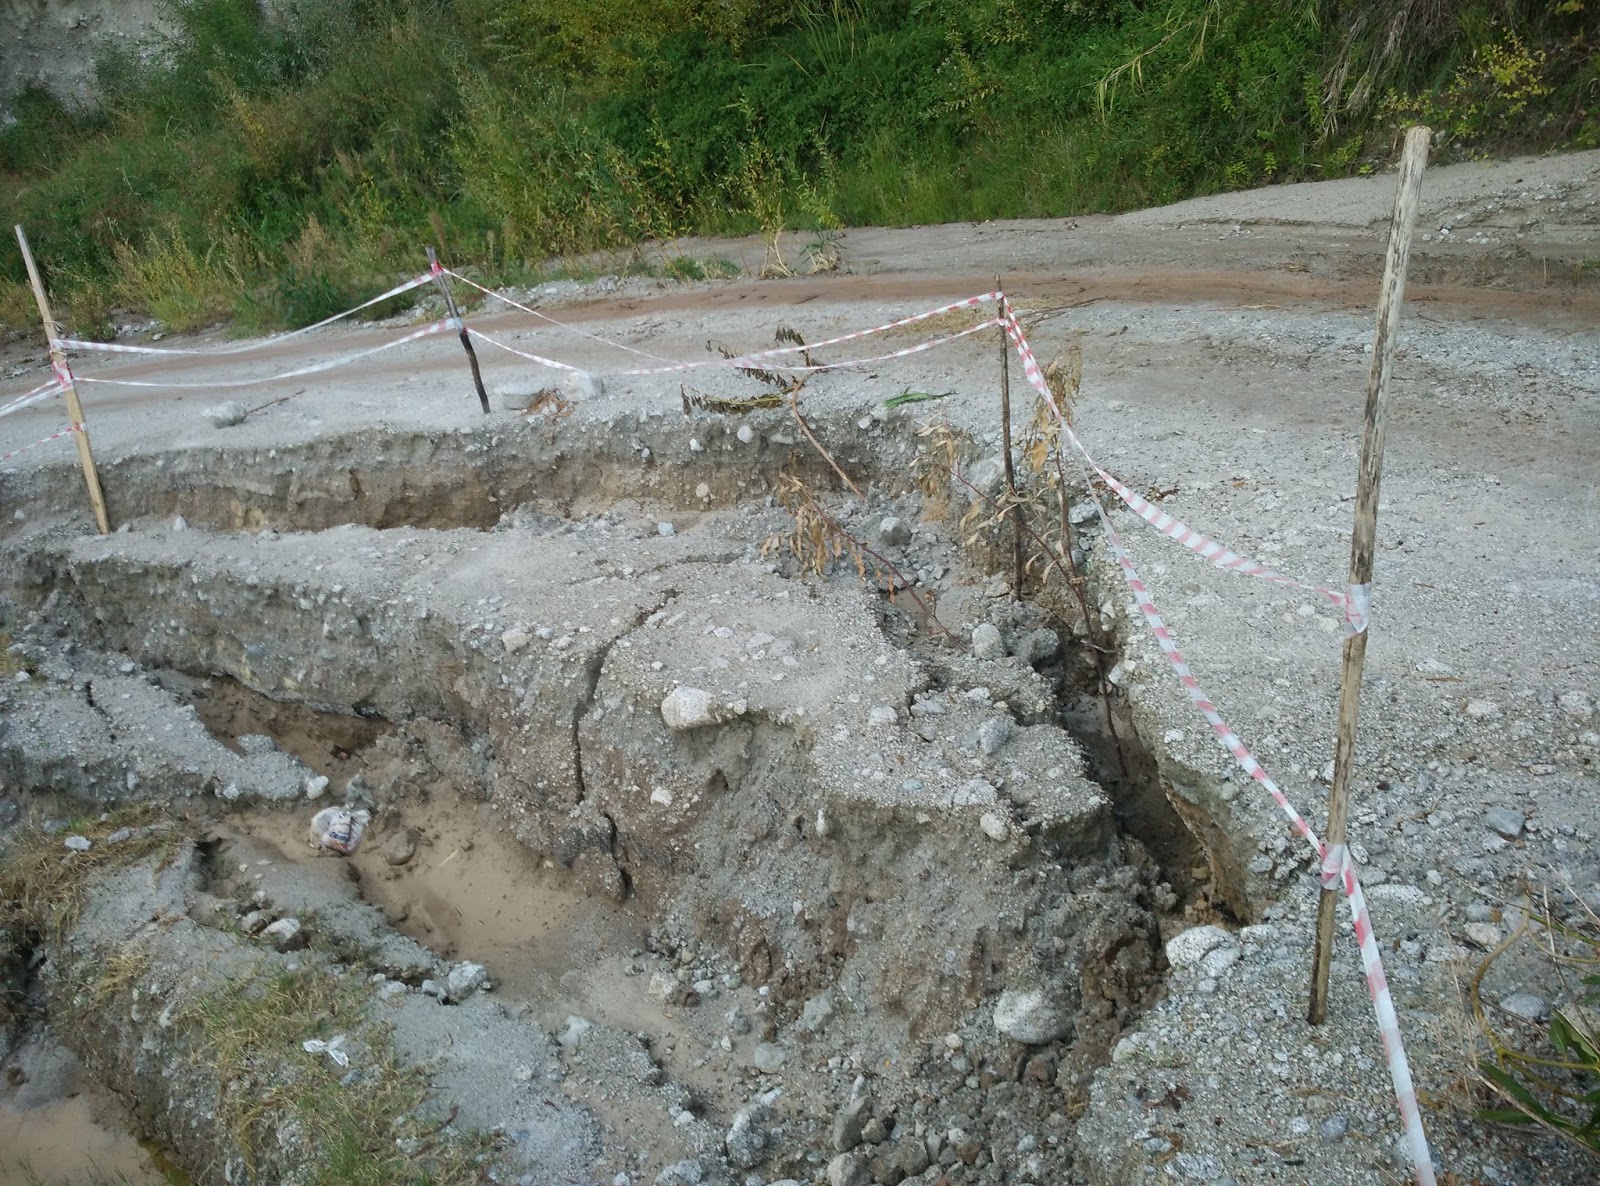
<point>717,827</point>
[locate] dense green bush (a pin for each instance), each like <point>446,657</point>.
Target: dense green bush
<point>273,164</point>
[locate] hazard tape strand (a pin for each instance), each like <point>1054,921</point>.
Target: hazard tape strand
<point>1334,864</point>
<point>246,347</point>
<point>448,323</point>
<point>27,398</point>
<point>55,436</point>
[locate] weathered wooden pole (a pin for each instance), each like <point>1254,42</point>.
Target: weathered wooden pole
<point>466,341</point>
<point>1005,445</point>
<point>1390,297</point>
<point>58,360</point>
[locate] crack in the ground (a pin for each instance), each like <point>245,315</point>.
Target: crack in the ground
<point>591,675</point>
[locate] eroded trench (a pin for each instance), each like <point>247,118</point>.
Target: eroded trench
<point>851,852</point>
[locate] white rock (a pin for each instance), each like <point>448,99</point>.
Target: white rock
<point>579,385</point>
<point>746,434</point>
<point>1526,1006</point>
<point>78,843</point>
<point>768,1057</point>
<point>665,529</point>
<point>515,639</point>
<point>179,523</point>
<point>987,643</point>
<point>994,825</point>
<point>226,415</point>
<point>883,714</point>
<point>465,979</point>
<point>1187,948</point>
<point>572,1037</point>
<point>1029,1015</point>
<point>688,708</point>
<point>314,785</point>
<point>286,934</point>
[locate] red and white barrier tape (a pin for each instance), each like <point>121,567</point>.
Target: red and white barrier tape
<point>246,347</point>
<point>1334,863</point>
<point>930,344</point>
<point>43,391</point>
<point>761,357</point>
<point>572,329</point>
<point>55,436</point>
<point>448,323</point>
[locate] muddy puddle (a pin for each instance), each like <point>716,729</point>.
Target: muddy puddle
<point>55,1130</point>
<point>470,891</point>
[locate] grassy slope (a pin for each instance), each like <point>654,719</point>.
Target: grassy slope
<point>274,170</point>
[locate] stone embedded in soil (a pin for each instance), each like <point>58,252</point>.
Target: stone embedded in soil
<point>1038,646</point>
<point>400,847</point>
<point>994,825</point>
<point>1187,948</point>
<point>682,1173</point>
<point>688,708</point>
<point>768,1057</point>
<point>78,843</point>
<point>226,415</point>
<point>986,641</point>
<point>286,934</point>
<point>1507,821</point>
<point>465,979</point>
<point>1030,1016</point>
<point>849,1122</point>
<point>515,639</point>
<point>580,385</point>
<point>749,1137</point>
<point>849,1169</point>
<point>894,531</point>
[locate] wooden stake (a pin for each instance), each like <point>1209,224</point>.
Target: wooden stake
<point>52,332</point>
<point>1005,444</point>
<point>466,341</point>
<point>1390,298</point>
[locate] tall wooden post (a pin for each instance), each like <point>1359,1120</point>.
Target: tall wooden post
<point>58,360</point>
<point>1005,446</point>
<point>1390,297</point>
<point>466,341</point>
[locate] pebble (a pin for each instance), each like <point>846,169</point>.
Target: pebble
<point>1482,709</point>
<point>400,847</point>
<point>465,979</point>
<point>1030,1016</point>
<point>682,1173</point>
<point>78,843</point>
<point>286,934</point>
<point>987,643</point>
<point>768,1057</point>
<point>883,714</point>
<point>314,785</point>
<point>226,415</point>
<point>995,825</point>
<point>748,1137</point>
<point>1506,821</point>
<point>665,529</point>
<point>894,531</point>
<point>849,1169</point>
<point>687,708</point>
<point>579,385</point>
<point>515,639</point>
<point>746,434</point>
<point>1334,1127</point>
<point>849,1122</point>
<point>1187,948</point>
<point>1038,646</point>
<point>975,792</point>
